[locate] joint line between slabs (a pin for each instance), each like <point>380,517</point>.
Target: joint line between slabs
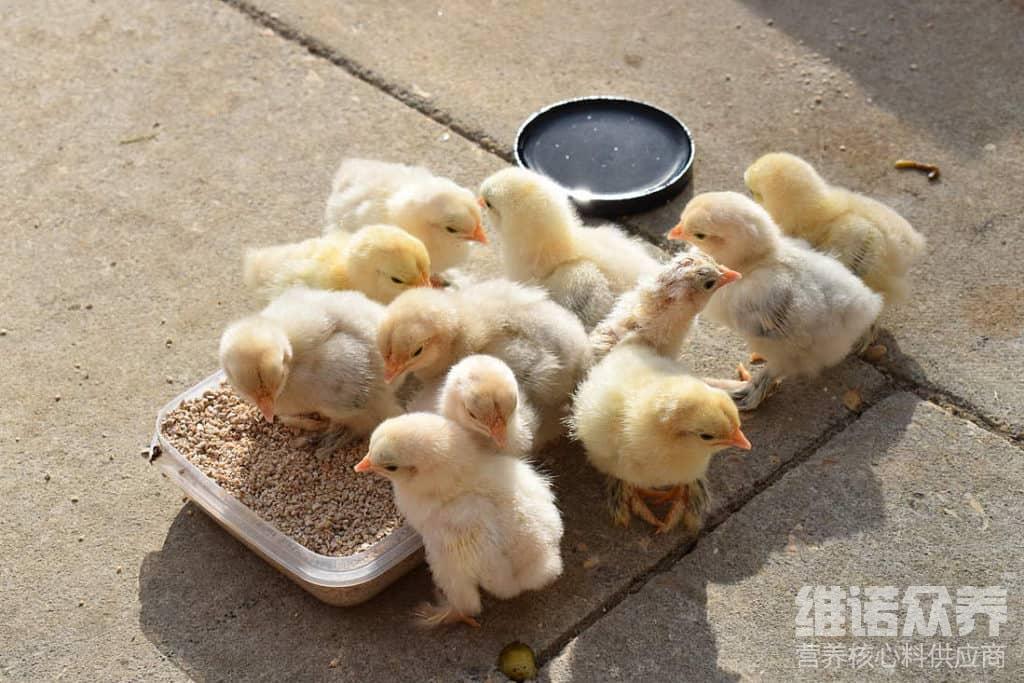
<point>367,75</point>
<point>684,548</point>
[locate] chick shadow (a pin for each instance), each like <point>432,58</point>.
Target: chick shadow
<point>218,612</point>
<point>927,62</point>
<point>834,495</point>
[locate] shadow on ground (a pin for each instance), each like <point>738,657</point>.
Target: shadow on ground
<point>907,54</point>
<point>220,613</point>
<point>831,497</point>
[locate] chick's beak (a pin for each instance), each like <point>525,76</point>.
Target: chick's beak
<point>424,280</point>
<point>499,432</point>
<point>737,440</point>
<point>678,232</point>
<point>393,369</point>
<point>364,465</point>
<point>478,234</point>
<point>727,277</point>
<point>481,202</point>
<point>266,406</point>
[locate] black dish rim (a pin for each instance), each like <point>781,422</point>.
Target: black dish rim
<point>621,202</point>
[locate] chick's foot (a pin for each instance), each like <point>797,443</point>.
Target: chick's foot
<point>430,615</point>
<point>753,392</point>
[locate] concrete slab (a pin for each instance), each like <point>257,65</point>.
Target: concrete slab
<point>145,160</point>
<point>906,496</point>
<point>146,145</point>
<point>850,85</point>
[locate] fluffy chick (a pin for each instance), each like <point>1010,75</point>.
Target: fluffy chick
<point>381,261</point>
<point>660,310</point>
<point>442,215</point>
<point>481,393</point>
<point>799,309</point>
<point>487,520</point>
<point>544,242</point>
<point>873,241</point>
<point>645,423</point>
<point>427,331</point>
<point>310,357</point>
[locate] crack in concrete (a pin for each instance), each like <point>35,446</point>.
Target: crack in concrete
<point>369,76</point>
<point>950,402</point>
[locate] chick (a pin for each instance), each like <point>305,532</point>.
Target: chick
<point>381,261</point>
<point>442,215</point>
<point>799,309</point>
<point>873,241</point>
<point>660,311</point>
<point>645,423</point>
<point>310,357</point>
<point>544,242</point>
<point>427,331</point>
<point>481,393</point>
<point>487,520</point>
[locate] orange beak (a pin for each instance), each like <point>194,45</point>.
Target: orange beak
<point>481,202</point>
<point>393,370</point>
<point>737,440</point>
<point>678,232</point>
<point>424,280</point>
<point>364,465</point>
<point>266,406</point>
<point>727,277</point>
<point>478,234</point>
<point>499,433</point>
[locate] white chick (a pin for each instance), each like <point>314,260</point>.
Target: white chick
<point>481,393</point>
<point>661,310</point>
<point>487,520</point>
<point>427,331</point>
<point>544,242</point>
<point>799,309</point>
<point>435,210</point>
<point>645,423</point>
<point>310,357</point>
<point>381,261</point>
<point>873,241</point>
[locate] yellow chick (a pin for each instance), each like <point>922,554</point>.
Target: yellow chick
<point>543,242</point>
<point>873,241</point>
<point>427,331</point>
<point>488,521</point>
<point>645,423</point>
<point>439,213</point>
<point>481,393</point>
<point>800,309</point>
<point>661,310</point>
<point>309,357</point>
<point>381,261</point>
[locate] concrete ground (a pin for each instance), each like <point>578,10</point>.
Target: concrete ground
<point>147,143</point>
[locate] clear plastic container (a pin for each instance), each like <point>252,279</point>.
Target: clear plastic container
<point>344,580</point>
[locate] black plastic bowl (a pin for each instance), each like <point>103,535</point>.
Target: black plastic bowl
<point>614,156</point>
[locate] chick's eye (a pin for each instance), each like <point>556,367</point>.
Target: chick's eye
<point>397,280</point>
<point>706,437</point>
<point>709,284</point>
<point>450,229</point>
<point>487,203</point>
<point>699,235</point>
<point>417,352</point>
<point>391,468</point>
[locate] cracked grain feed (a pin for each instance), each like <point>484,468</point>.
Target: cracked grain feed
<point>321,503</point>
